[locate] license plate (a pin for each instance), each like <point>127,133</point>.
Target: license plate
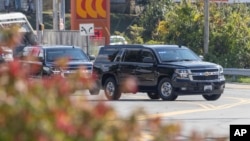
<point>208,88</point>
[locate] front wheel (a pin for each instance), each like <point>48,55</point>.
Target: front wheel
<point>111,89</point>
<point>211,97</point>
<point>165,90</point>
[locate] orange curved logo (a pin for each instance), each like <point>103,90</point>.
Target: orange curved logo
<point>88,9</point>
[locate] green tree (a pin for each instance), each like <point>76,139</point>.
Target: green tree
<point>135,34</point>
<point>183,25</point>
<point>229,31</point>
<point>153,13</point>
<point>229,37</point>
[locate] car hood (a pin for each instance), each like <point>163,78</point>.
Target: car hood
<point>73,64</point>
<point>192,64</point>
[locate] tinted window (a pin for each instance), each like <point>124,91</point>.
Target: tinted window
<point>107,54</point>
<point>147,53</point>
<point>70,53</point>
<point>176,54</point>
<point>132,55</point>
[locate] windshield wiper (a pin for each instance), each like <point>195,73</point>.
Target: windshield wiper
<point>185,60</point>
<point>75,59</point>
<point>178,60</point>
<point>170,60</point>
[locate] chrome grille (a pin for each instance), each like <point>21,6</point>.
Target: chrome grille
<point>204,74</point>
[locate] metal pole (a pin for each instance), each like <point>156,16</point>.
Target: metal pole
<point>55,15</point>
<point>39,19</point>
<point>62,11</point>
<point>87,43</point>
<point>206,26</point>
<point>37,16</point>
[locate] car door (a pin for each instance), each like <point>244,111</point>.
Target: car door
<point>128,63</point>
<point>145,71</point>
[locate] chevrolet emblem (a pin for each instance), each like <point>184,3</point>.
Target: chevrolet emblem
<point>207,73</point>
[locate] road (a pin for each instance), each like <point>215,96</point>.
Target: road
<point>193,112</point>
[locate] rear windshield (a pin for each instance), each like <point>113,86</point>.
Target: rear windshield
<point>72,54</point>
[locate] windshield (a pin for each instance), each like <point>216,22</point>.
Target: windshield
<point>180,54</point>
<point>72,54</point>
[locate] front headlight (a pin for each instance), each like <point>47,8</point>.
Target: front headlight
<point>54,70</point>
<point>87,71</point>
<point>182,73</point>
<point>220,69</point>
<point>221,76</point>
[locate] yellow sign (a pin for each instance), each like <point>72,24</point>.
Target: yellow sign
<point>88,9</point>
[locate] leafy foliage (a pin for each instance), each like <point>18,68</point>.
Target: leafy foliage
<point>183,23</point>
<point>152,14</point>
<point>228,44</point>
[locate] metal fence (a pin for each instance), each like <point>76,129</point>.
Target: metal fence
<point>69,37</point>
<point>236,71</point>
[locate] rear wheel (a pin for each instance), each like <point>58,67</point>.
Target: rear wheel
<point>152,95</point>
<point>165,90</point>
<point>111,89</point>
<point>211,97</point>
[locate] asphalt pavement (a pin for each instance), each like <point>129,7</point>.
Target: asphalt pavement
<point>232,85</point>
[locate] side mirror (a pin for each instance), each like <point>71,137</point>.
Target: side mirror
<point>202,57</point>
<point>148,60</point>
<point>91,57</point>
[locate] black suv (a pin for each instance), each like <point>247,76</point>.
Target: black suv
<point>48,54</point>
<point>162,71</point>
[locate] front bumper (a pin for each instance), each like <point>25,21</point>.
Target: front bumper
<point>188,87</point>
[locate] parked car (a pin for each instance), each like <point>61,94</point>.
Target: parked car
<point>161,71</point>
<point>48,54</point>
<point>117,40</point>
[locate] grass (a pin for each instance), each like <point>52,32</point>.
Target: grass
<point>239,79</point>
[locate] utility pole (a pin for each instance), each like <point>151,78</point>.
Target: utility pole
<point>55,14</point>
<point>39,19</point>
<point>62,15</point>
<point>206,26</point>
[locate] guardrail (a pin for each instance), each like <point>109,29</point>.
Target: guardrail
<point>235,72</point>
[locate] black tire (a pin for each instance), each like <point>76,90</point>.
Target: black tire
<point>165,90</point>
<point>152,95</point>
<point>95,90</point>
<point>211,97</point>
<point>111,89</point>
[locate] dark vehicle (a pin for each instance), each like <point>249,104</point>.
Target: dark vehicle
<point>47,55</point>
<point>162,71</point>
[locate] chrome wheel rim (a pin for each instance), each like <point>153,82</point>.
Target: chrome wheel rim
<point>166,89</point>
<point>110,89</point>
